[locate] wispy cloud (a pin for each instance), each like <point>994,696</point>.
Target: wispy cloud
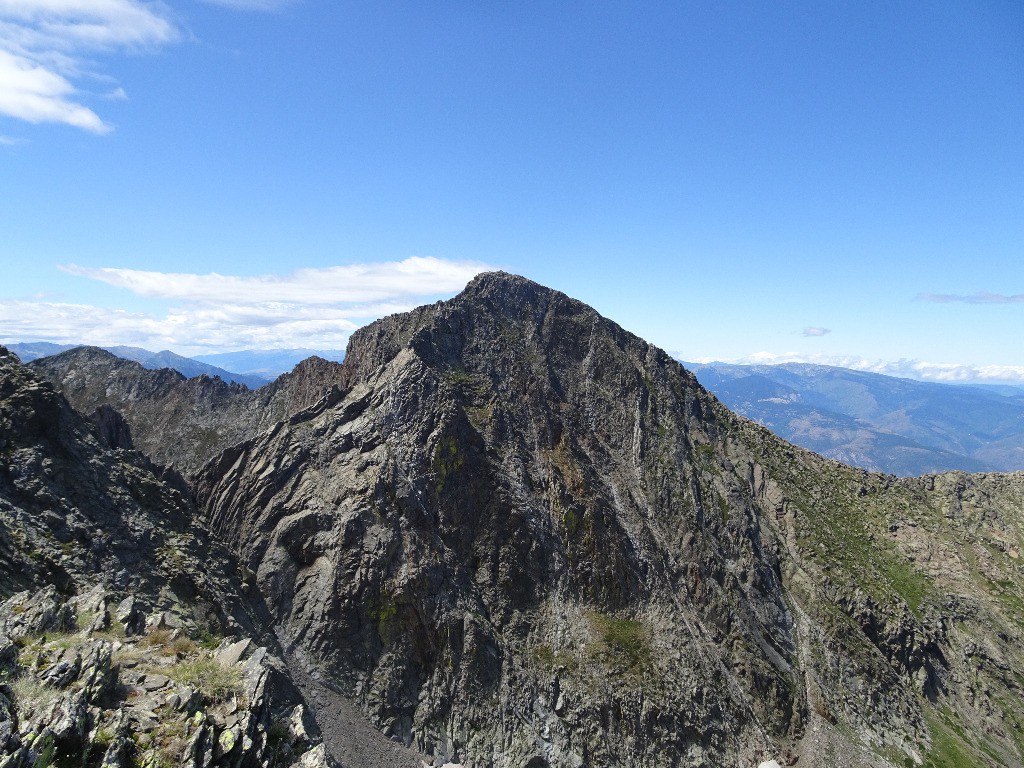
<point>972,298</point>
<point>33,93</point>
<point>381,281</point>
<point>46,44</point>
<point>816,331</point>
<point>308,308</point>
<point>252,5</point>
<point>905,368</point>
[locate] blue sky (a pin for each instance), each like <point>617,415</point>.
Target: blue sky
<point>840,182</point>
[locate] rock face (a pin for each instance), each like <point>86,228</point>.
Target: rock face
<point>75,510</point>
<point>176,421</point>
<point>514,535</point>
<point>524,537</point>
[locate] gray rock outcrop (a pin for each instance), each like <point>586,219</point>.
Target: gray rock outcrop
<point>156,698</point>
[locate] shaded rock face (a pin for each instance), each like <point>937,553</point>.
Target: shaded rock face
<point>74,510</point>
<point>523,536</point>
<point>176,421</point>
<point>111,428</point>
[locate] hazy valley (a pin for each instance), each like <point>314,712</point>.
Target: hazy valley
<point>878,422</point>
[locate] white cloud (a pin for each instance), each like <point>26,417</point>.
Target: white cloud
<point>816,331</point>
<point>184,329</point>
<point>904,368</point>
<point>74,25</point>
<point>34,94</point>
<point>415,276</point>
<point>311,308</point>
<point>45,44</point>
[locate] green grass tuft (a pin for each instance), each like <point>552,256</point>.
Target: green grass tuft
<point>625,641</point>
<point>213,680</point>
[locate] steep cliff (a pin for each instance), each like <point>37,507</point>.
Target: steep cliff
<point>522,536</point>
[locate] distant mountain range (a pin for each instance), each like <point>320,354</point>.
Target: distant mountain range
<point>268,363</point>
<point>877,422</point>
<point>186,366</point>
<point>252,367</point>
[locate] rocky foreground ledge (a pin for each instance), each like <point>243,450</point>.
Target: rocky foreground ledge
<point>94,681</point>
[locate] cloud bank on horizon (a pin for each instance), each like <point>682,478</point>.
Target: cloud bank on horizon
<point>216,313</point>
<point>330,285</point>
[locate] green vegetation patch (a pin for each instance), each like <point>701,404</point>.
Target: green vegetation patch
<point>165,640</point>
<point>571,521</point>
<point>550,659</point>
<point>704,452</point>
<point>446,460</point>
<point>213,680</point>
<point>31,694</point>
<point>207,639</point>
<point>384,610</point>
<point>843,524</point>
<point>622,641</point>
<point>460,379</point>
<point>950,744</point>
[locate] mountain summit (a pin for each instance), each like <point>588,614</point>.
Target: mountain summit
<point>524,536</point>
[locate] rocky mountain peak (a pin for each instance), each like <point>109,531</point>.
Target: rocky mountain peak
<point>512,534</point>
<point>515,506</point>
<point>510,294</point>
<point>307,382</point>
<point>499,316</point>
